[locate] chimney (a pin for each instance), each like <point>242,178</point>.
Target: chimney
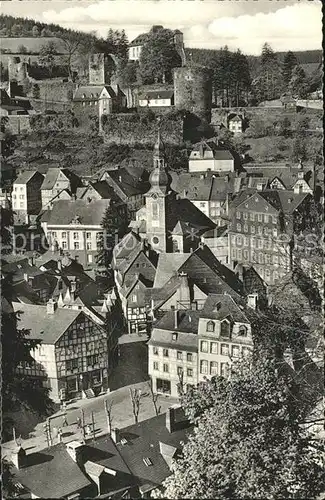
<point>31,261</point>
<point>175,318</point>
<point>171,415</point>
<point>75,449</point>
<point>51,306</point>
<point>120,178</point>
<point>252,300</point>
<point>59,264</point>
<point>25,277</point>
<point>18,457</point>
<point>115,435</point>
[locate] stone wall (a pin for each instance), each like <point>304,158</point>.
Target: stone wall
<point>131,129</point>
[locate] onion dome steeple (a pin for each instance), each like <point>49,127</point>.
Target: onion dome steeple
<point>159,178</point>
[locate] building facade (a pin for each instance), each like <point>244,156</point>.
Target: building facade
<point>207,156</point>
<point>26,193</point>
<point>74,354</point>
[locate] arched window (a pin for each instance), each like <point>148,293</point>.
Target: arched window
<point>210,326</point>
<point>242,332</point>
<point>225,329</point>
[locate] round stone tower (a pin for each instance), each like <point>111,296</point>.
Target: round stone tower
<point>193,91</point>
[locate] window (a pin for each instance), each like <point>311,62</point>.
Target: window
<point>238,227</point>
<point>245,215</point>
<point>203,366</point>
<point>274,220</point>
<point>253,229</point>
<point>225,329</point>
<point>134,298</point>
<point>259,243</point>
<point>156,365</point>
<point>64,245</point>
<point>54,234</point>
<point>275,232</point>
<point>210,326</point>
<point>246,351</point>
<point>224,369</point>
<point>235,351</point>
<point>88,236</point>
<point>260,258</point>
<point>242,332</point>
<point>179,355</point>
<point>92,360</point>
<point>90,259</point>
<point>266,218</point>
<point>76,236</point>
<point>189,357</point>
<point>63,235</point>
<point>165,353</point>
<point>155,211</point>
<point>88,245</point>
<point>174,336</point>
<point>245,254</point>
<point>76,245</point>
<point>213,368</point>
<point>238,215</point>
<point>214,348</point>
<point>204,346</point>
<point>252,216</point>
<point>238,240</point>
<point>155,351</point>
<point>275,260</point>
<point>266,231</point>
<point>259,217</point>
<point>166,368</point>
<point>260,230</point>
<point>180,371</point>
<point>71,364</point>
<point>202,204</point>
<point>224,351</point>
<point>189,372</point>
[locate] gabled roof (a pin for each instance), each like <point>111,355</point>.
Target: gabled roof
<point>188,321</point>
<point>36,319</point>
<point>104,190</point>
<point>156,94</point>
<point>219,306</point>
<point>52,176</point>
<point>211,146</point>
<point>91,92</point>
<point>52,473</point>
<point>26,176</point>
<point>127,244</point>
<point>64,212</point>
<point>168,265</point>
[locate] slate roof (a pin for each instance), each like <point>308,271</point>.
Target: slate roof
<point>105,191</point>
<point>219,306</point>
<point>51,177</point>
<point>156,94</point>
<point>127,183</point>
<point>52,473</point>
<point>26,176</point>
<point>208,188</point>
<point>127,244</point>
<point>89,213</point>
<point>168,265</point>
<point>143,441</point>
<point>188,321</point>
<point>183,210</point>
<point>36,319</point>
<point>163,337</point>
<point>218,152</point>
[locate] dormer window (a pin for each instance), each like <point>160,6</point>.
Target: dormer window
<point>210,326</point>
<point>174,336</point>
<point>225,328</point>
<point>242,332</point>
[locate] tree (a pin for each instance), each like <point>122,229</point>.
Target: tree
<point>268,84</point>
<point>105,245</point>
<point>135,395</point>
<point>71,43</point>
<point>154,397</point>
<point>158,57</point>
<point>10,488</point>
<point>47,55</point>
<point>35,31</point>
<point>16,30</point>
<point>18,391</point>
<point>289,62</point>
<point>22,49</point>
<point>249,441</point>
<point>298,84</point>
<point>36,91</point>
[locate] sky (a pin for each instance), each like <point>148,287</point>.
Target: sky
<point>244,24</point>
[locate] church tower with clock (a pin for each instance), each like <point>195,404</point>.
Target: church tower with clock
<point>158,200</point>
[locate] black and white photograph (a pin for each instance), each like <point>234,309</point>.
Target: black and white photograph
<point>162,249</point>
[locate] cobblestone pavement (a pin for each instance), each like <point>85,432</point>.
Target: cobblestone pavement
<point>122,416</point>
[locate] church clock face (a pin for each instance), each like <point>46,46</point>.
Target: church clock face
<point>155,240</point>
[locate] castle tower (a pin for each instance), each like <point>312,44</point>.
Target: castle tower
<point>179,45</point>
<point>193,90</point>
<point>100,69</point>
<point>157,201</point>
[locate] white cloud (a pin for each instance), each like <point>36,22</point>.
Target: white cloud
<point>208,24</point>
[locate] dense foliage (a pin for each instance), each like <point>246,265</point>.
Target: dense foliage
<point>248,442</point>
<point>158,57</point>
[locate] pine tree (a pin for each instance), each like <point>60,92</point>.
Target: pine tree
<point>298,84</point>
<point>289,62</point>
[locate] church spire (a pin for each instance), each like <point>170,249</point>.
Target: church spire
<point>159,179</point>
<point>158,152</point>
